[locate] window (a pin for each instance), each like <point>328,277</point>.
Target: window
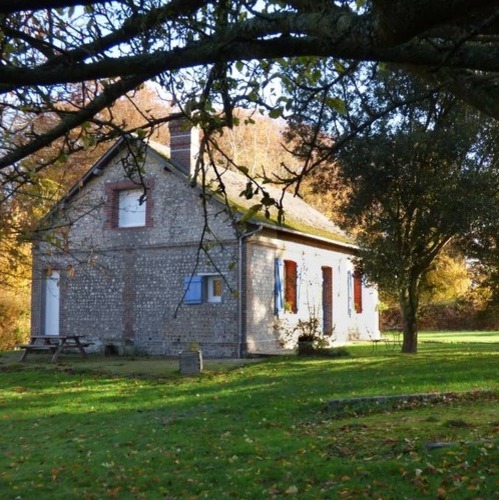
<point>357,291</point>
<point>127,206</point>
<point>131,208</point>
<point>199,289</point>
<point>286,281</point>
<point>215,287</point>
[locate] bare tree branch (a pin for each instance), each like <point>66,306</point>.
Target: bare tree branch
<point>72,120</point>
<point>446,41</point>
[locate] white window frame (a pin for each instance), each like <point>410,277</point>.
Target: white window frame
<point>131,213</point>
<point>210,288</point>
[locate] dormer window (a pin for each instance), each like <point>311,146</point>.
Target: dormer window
<point>132,205</point>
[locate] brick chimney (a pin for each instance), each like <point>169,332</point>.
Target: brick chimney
<point>184,145</point>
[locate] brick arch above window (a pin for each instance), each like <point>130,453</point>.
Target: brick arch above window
<point>112,207</point>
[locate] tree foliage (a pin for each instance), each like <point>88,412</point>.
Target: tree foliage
<point>65,63</point>
<point>448,279</point>
<point>23,207</point>
<point>419,179</point>
<point>74,59</point>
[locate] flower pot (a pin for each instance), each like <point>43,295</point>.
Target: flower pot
<point>306,347</point>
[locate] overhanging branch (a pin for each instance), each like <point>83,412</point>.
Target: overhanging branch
<point>73,120</point>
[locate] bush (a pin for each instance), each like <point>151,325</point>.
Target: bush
<point>460,315</point>
<point>14,318</point>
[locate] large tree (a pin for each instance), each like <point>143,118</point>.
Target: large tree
<point>66,62</point>
<point>74,58</point>
<point>419,179</point>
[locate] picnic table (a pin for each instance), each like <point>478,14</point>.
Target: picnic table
<point>53,343</point>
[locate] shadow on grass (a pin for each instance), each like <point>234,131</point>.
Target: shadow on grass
<point>303,381</point>
<point>247,428</point>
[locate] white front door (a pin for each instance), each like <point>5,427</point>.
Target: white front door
<point>52,301</point>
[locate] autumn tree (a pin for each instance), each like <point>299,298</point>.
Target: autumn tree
<point>69,61</point>
<point>482,249</point>
<point>66,63</point>
<point>24,204</point>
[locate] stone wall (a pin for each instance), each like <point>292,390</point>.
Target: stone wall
<point>123,287</point>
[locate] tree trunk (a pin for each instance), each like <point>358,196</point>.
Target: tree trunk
<point>409,302</point>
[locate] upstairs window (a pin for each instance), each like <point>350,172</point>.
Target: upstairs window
<point>129,205</point>
<point>131,208</point>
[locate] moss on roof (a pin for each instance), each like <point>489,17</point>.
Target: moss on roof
<point>298,215</point>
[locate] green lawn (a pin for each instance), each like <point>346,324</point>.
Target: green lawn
<point>459,337</point>
<point>117,428</point>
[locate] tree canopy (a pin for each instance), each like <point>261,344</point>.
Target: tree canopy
<point>419,180</point>
<point>63,64</point>
<point>74,58</point>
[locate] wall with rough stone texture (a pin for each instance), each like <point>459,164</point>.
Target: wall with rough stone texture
<point>123,287</point>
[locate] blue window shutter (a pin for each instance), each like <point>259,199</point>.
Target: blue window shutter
<point>349,292</point>
<point>279,287</point>
<point>193,287</point>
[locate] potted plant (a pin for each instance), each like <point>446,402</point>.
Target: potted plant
<point>309,334</point>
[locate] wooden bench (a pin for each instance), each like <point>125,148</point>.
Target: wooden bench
<point>37,347</point>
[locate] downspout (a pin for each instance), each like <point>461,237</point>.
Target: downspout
<point>240,332</point>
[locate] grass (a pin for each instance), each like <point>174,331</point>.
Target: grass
<point>116,428</point>
<point>459,337</point>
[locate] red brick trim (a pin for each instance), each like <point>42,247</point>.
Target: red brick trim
<point>112,190</point>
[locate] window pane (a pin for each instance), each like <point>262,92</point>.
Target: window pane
<point>215,289</point>
<point>131,212</point>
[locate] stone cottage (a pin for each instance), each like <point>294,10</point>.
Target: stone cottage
<point>148,261</point>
